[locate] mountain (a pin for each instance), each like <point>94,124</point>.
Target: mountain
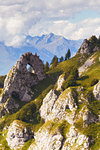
<point>58,109</point>
<point>55,44</point>
<point>46,46</point>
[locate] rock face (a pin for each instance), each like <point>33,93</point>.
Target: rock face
<point>59,106</point>
<point>54,140</point>
<point>90,61</point>
<point>47,141</point>
<point>88,47</point>
<point>60,81</point>
<point>18,134</point>
<point>19,80</point>
<point>96,91</point>
<point>75,140</point>
<point>48,103</point>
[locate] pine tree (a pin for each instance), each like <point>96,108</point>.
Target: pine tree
<point>54,61</point>
<point>46,67</point>
<point>68,54</point>
<point>61,59</point>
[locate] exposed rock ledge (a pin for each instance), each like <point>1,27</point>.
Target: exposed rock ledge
<point>54,140</point>
<point>96,91</point>
<point>18,134</point>
<point>90,61</point>
<point>19,80</point>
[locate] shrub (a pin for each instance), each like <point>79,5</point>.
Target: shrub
<point>26,113</point>
<point>94,81</point>
<point>71,78</point>
<point>2,78</point>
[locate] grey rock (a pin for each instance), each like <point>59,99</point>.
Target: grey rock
<point>48,103</point>
<point>76,140</point>
<point>18,134</point>
<point>19,80</point>
<point>89,62</point>
<point>87,116</point>
<point>44,140</point>
<point>96,91</point>
<point>88,47</point>
<point>60,105</point>
<point>60,81</point>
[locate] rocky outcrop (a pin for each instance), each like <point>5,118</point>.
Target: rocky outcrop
<point>88,47</point>
<point>60,81</point>
<point>44,140</point>
<point>54,140</point>
<point>87,116</point>
<point>48,103</point>
<point>18,134</point>
<point>19,80</point>
<point>96,91</point>
<point>64,104</point>
<point>75,140</point>
<point>89,62</point>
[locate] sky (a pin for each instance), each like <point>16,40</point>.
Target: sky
<point>73,19</point>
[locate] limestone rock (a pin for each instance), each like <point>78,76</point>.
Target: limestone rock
<point>18,134</point>
<point>88,116</point>
<point>60,81</point>
<point>44,140</point>
<point>48,103</point>
<point>75,140</point>
<point>88,47</point>
<point>19,80</point>
<point>89,62</point>
<point>96,91</point>
<point>63,108</point>
<point>9,106</point>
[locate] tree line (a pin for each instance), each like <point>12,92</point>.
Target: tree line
<point>57,60</point>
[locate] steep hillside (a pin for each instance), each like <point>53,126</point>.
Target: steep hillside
<point>63,112</point>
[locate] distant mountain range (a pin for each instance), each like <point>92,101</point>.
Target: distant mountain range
<point>46,46</point>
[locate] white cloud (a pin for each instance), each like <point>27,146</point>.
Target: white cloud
<point>22,17</point>
<point>75,31</point>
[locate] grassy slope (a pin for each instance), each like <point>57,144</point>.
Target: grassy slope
<point>49,83</point>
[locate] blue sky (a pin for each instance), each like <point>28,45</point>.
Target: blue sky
<point>76,19</point>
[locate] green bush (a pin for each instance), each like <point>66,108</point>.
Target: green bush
<point>2,78</point>
<point>26,113</point>
<point>94,81</point>
<point>71,78</point>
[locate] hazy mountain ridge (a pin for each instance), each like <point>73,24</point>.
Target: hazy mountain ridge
<point>46,46</point>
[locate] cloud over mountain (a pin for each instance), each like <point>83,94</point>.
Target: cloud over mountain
<point>31,17</point>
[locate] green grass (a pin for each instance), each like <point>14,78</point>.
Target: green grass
<point>29,112</point>
<point>3,142</point>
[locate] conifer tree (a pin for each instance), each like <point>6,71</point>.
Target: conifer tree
<point>61,58</point>
<point>46,67</point>
<point>68,54</point>
<point>54,61</point>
